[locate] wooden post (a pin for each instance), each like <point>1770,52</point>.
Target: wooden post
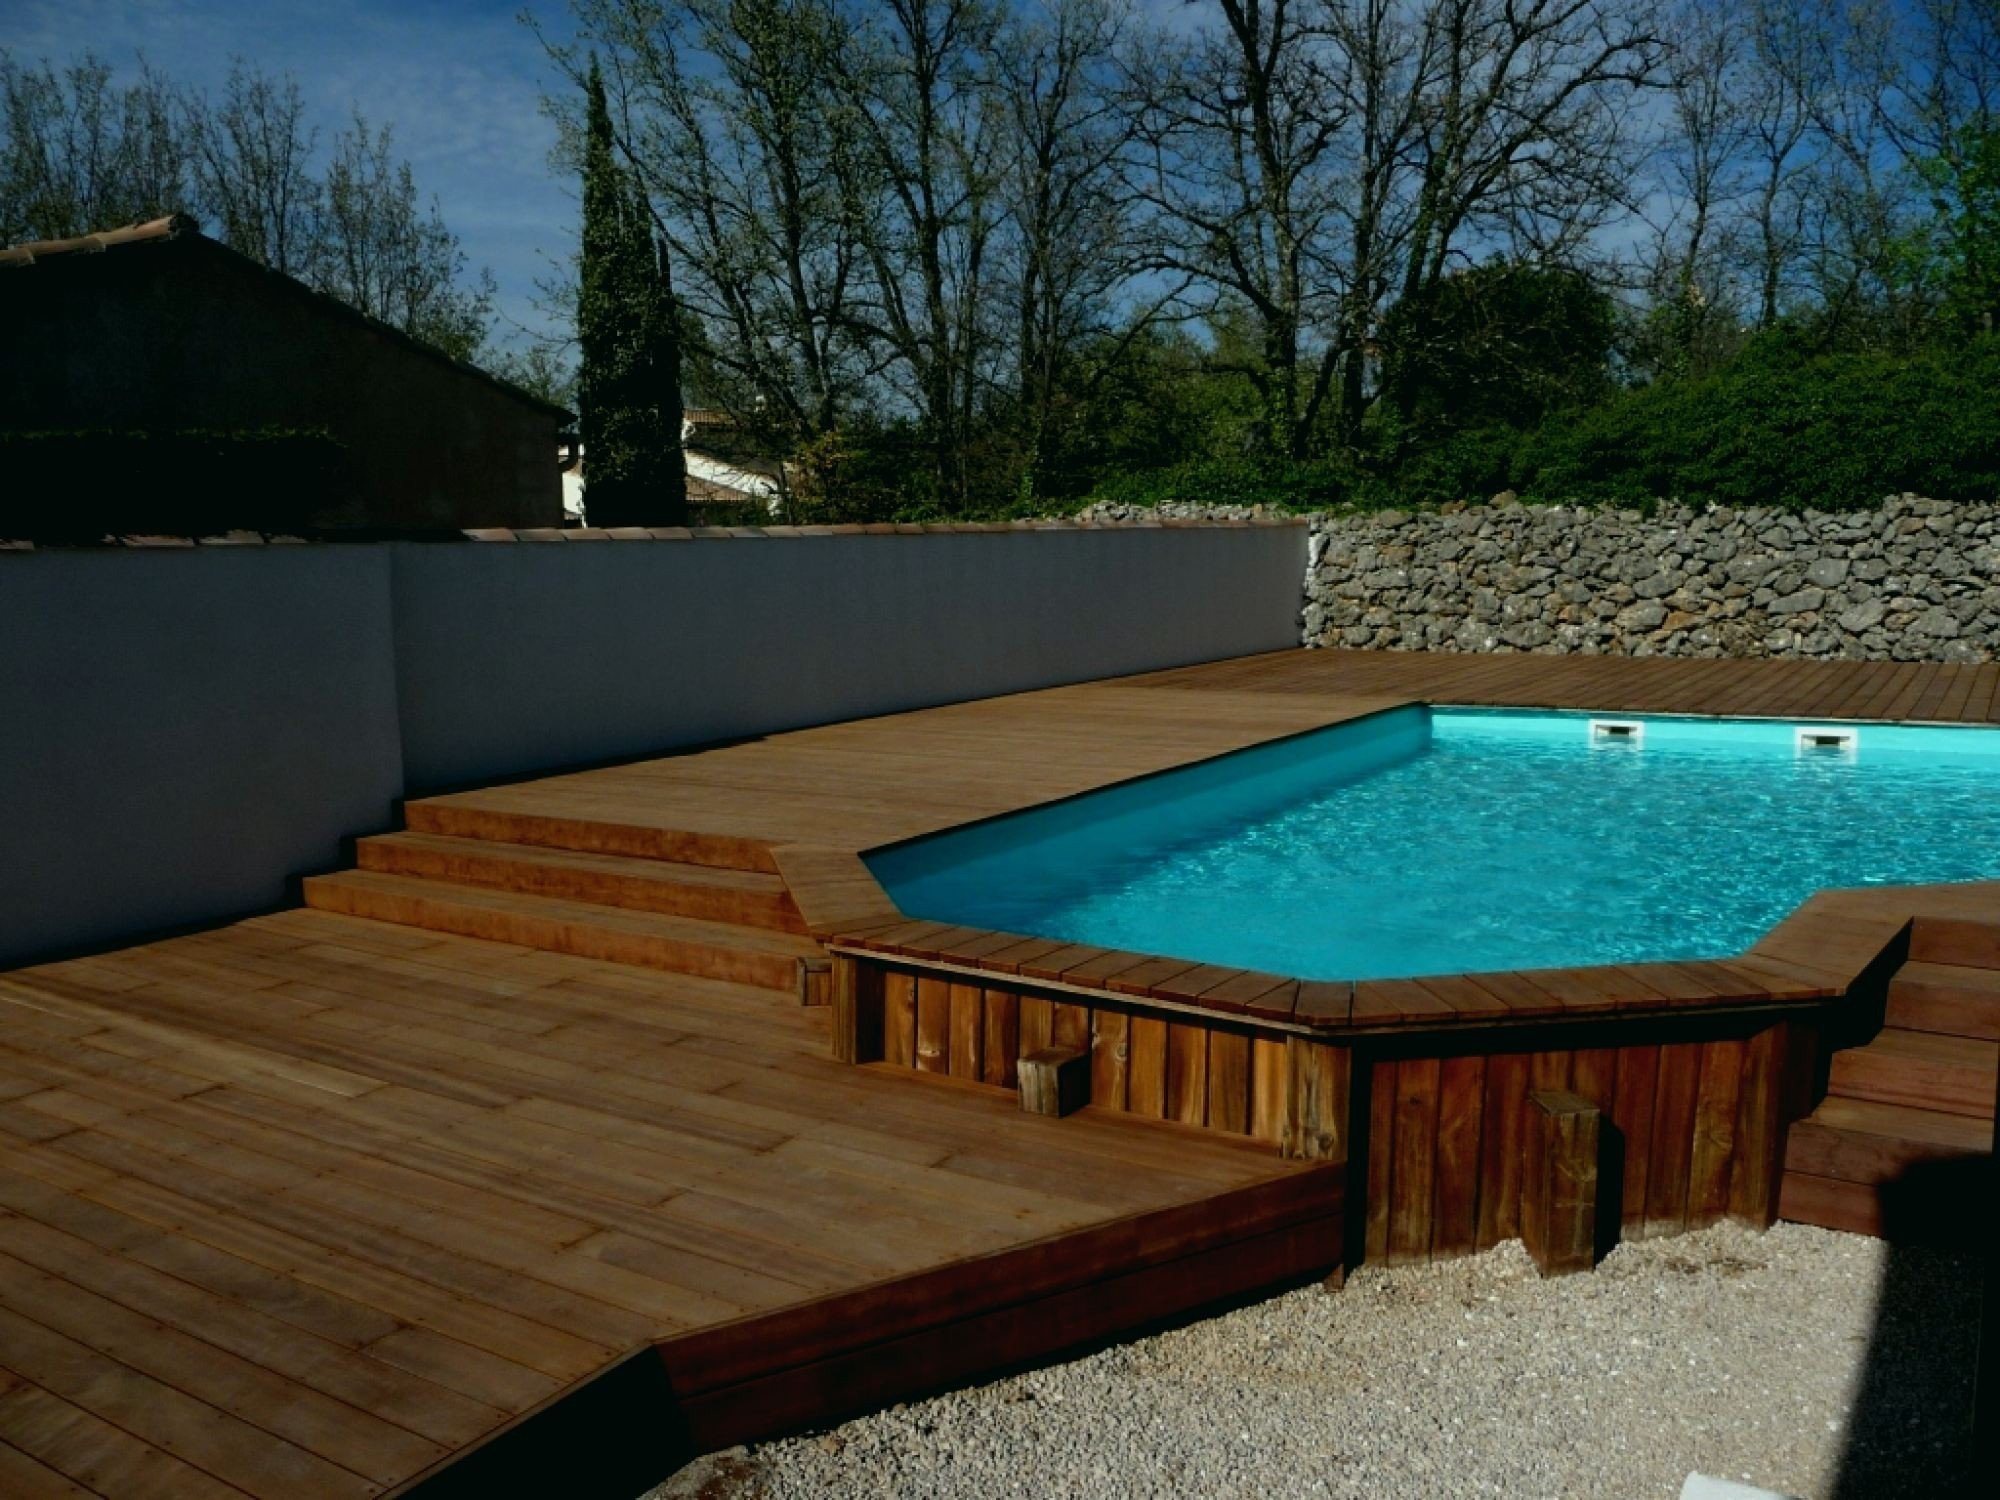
<point>857,1010</point>
<point>1055,1081</point>
<point>1316,1100</point>
<point>1559,1182</point>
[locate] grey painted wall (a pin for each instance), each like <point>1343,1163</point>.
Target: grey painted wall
<point>515,658</point>
<point>184,730</point>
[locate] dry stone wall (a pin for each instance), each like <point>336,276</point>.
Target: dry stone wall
<point>1913,580</point>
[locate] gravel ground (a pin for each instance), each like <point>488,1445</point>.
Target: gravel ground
<point>1812,1363</point>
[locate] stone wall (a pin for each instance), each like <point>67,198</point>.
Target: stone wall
<point>1913,580</point>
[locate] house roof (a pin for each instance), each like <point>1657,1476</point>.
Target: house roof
<point>182,230</point>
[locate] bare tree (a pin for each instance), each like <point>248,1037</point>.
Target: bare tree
<point>1235,154</point>
<point>1704,174</point>
<point>1069,252</point>
<point>255,175</point>
<point>922,196</point>
<point>1318,159</point>
<point>379,248</point>
<point>79,153</point>
<point>1778,84</point>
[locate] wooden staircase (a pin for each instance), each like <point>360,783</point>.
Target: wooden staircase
<point>711,920</point>
<point>1895,1148</point>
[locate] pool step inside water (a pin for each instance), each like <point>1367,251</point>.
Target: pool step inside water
<point>1898,1145</point>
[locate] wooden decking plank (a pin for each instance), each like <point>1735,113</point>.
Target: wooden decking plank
<point>93,1378</point>
<point>99,1455</point>
<point>27,1478</point>
<point>173,1338</point>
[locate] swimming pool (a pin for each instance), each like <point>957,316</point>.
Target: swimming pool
<point>1445,840</point>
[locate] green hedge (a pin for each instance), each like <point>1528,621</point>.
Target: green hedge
<point>79,486</point>
<point>1780,427</point>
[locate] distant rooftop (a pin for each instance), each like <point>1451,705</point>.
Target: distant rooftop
<point>183,230</point>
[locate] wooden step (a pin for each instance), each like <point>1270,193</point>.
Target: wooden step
<point>1955,940</point>
<point>1950,998</point>
<point>1920,1069</point>
<point>1859,1140</point>
<point>588,836</point>
<point>1851,1207</point>
<point>1926,1204</point>
<point>741,897</point>
<point>714,950</point>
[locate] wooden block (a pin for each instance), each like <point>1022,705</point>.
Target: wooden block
<point>1000,1047</point>
<point>1146,1070</point>
<point>1229,1081</point>
<point>1559,1181</point>
<point>1055,1081</point>
<point>963,1055</point>
<point>1316,1100</point>
<point>1110,1056</point>
<point>933,1024</point>
<point>857,1010</point>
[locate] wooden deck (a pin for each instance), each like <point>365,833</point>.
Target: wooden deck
<point>307,1205</point>
<point>316,1204</point>
<point>876,781</point>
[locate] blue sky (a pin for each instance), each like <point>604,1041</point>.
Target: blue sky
<point>459,79</point>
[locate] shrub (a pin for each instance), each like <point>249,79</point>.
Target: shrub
<point>1782,427</point>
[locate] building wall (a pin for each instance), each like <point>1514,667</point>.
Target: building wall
<point>513,657</point>
<point>189,729</point>
<point>185,729</point>
<point>184,334</point>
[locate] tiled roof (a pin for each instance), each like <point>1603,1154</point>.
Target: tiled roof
<point>171,227</point>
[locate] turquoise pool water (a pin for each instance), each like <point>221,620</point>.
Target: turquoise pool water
<point>1425,841</point>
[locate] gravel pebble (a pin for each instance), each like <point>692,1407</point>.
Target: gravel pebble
<point>1754,1356</point>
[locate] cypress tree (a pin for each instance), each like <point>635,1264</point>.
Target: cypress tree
<point>628,380</point>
